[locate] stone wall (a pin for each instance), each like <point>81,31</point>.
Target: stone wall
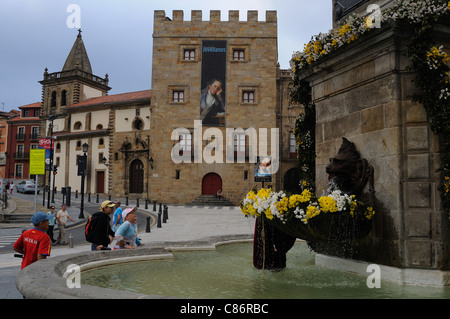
<point>182,183</point>
<point>364,93</point>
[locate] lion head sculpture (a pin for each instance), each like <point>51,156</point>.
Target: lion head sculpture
<point>349,172</point>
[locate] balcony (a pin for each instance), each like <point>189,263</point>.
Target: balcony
<point>21,155</point>
<point>34,137</point>
<point>20,137</point>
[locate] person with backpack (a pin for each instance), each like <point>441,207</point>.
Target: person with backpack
<point>98,227</point>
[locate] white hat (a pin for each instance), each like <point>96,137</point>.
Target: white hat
<point>127,211</point>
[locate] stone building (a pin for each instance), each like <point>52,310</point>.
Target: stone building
<point>132,136</point>
<point>85,113</point>
<point>210,151</point>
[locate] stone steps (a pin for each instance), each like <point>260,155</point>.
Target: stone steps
<point>22,213</point>
<point>210,200</point>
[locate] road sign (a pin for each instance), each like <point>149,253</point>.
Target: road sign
<point>37,162</point>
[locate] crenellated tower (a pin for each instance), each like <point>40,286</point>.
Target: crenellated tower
<point>239,59</point>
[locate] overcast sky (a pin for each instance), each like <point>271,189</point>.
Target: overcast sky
<point>118,37</point>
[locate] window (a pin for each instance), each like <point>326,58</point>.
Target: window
<point>248,96</point>
<point>20,149</point>
<point>238,55</point>
<point>138,124</point>
<point>99,127</point>
<point>178,96</point>
<point>53,100</point>
<point>101,142</point>
<point>20,133</point>
<point>36,112</point>
<point>177,174</point>
<point>189,54</point>
<point>100,158</point>
<point>185,144</point>
<point>19,170</point>
<point>25,113</point>
<point>239,146</point>
<point>34,133</point>
<point>292,145</point>
<point>77,126</point>
<point>63,98</point>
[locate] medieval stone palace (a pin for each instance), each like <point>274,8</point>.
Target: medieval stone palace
<point>219,104</point>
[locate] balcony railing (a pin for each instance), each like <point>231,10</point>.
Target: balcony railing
<point>21,155</point>
<point>34,137</point>
<point>20,137</point>
<point>70,73</point>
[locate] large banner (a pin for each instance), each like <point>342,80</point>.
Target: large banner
<point>214,70</point>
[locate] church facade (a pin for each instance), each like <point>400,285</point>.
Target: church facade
<point>219,104</point>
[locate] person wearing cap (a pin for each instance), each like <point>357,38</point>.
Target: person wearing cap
<point>101,230</point>
<point>34,243</point>
<point>117,218</point>
<point>126,234</point>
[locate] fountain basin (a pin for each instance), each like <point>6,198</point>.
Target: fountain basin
<point>302,278</point>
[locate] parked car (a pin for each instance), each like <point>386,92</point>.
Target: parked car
<point>27,187</point>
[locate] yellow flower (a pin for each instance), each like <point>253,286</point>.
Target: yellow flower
<point>268,214</point>
<point>312,211</point>
<point>282,205</point>
<point>369,22</point>
<point>334,42</point>
<point>317,47</point>
<point>344,29</point>
<point>369,213</point>
<point>327,204</point>
<point>264,193</point>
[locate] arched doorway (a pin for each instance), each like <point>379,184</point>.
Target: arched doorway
<point>291,181</point>
<point>211,184</point>
<point>136,177</point>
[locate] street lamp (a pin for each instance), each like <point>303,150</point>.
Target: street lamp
<point>82,166</point>
<point>51,118</point>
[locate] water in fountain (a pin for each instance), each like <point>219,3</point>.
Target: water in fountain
<point>228,273</point>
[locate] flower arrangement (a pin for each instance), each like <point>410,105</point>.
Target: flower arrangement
<point>348,31</point>
<point>302,208</point>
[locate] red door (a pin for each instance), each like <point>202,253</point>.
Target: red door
<point>211,184</point>
<point>100,182</point>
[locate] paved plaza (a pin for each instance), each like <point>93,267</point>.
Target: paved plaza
<point>184,223</point>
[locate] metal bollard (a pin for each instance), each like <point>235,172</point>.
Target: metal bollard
<point>166,211</point>
<point>126,201</point>
<point>70,241</point>
<point>137,202</point>
<point>165,214</point>
<point>159,220</point>
<point>76,193</point>
<point>89,197</point>
<point>148,228</point>
<point>146,203</point>
<point>154,205</point>
<point>97,199</point>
